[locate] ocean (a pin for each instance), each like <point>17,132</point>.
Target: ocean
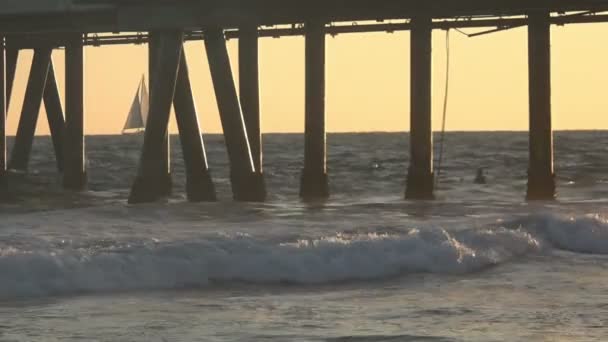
<point>477,264</point>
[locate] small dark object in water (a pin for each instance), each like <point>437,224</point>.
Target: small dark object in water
<point>480,178</point>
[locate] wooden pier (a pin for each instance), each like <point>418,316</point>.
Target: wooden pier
<point>45,25</point>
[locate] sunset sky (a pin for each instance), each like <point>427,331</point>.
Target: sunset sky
<point>368,82</point>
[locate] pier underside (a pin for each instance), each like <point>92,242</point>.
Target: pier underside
<point>136,16</point>
<point>44,25</point>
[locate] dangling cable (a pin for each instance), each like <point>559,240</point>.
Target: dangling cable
<point>445,105</point>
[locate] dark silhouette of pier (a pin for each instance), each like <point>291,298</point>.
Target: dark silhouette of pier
<point>45,25</point>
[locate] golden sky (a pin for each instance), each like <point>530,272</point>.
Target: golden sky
<point>367,82</point>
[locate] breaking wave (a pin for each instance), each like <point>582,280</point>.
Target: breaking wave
<point>105,266</point>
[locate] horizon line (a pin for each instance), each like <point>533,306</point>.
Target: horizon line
<point>361,132</point>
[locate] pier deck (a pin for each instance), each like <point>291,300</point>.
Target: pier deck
<point>90,16</point>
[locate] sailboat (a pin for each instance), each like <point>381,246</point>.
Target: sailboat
<point>136,120</point>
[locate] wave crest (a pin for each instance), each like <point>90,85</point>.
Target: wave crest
<point>584,234</point>
<point>338,258</point>
<point>106,265</point>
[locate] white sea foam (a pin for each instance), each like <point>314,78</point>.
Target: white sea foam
<point>338,258</point>
<point>584,234</point>
<point>119,266</point>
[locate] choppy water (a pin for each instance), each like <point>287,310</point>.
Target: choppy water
<point>478,264</point>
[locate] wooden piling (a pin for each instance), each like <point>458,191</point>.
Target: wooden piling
<point>420,174</point>
<point>199,185</point>
<point>541,177</point>
<point>314,181</point>
<point>149,184</point>
<point>74,169</point>
<point>249,94</point>
<point>3,181</point>
<point>31,108</point>
<point>245,186</point>
<point>54,114</point>
<point>164,162</point>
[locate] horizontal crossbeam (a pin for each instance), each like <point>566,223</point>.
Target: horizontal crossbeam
<point>95,16</point>
<point>498,24</point>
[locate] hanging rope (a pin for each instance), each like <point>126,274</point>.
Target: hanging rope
<point>445,105</point>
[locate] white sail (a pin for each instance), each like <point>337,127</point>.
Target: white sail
<point>136,120</point>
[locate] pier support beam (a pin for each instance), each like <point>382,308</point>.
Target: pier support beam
<point>54,114</point>
<point>31,108</point>
<point>150,182</point>
<point>420,174</point>
<point>199,186</point>
<point>249,89</point>
<point>541,177</point>
<point>314,182</point>
<point>42,84</point>
<point>74,170</point>
<point>3,181</point>
<point>11,57</point>
<point>245,184</point>
<point>165,184</point>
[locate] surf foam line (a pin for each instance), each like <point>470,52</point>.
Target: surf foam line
<point>582,234</point>
<point>338,258</point>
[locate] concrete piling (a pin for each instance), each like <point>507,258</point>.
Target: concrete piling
<point>541,177</point>
<point>74,169</point>
<point>249,94</point>
<point>314,181</point>
<point>54,113</point>
<point>11,58</point>
<point>150,182</point>
<point>164,162</point>
<point>245,185</point>
<point>420,174</point>
<point>199,185</point>
<point>31,108</point>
